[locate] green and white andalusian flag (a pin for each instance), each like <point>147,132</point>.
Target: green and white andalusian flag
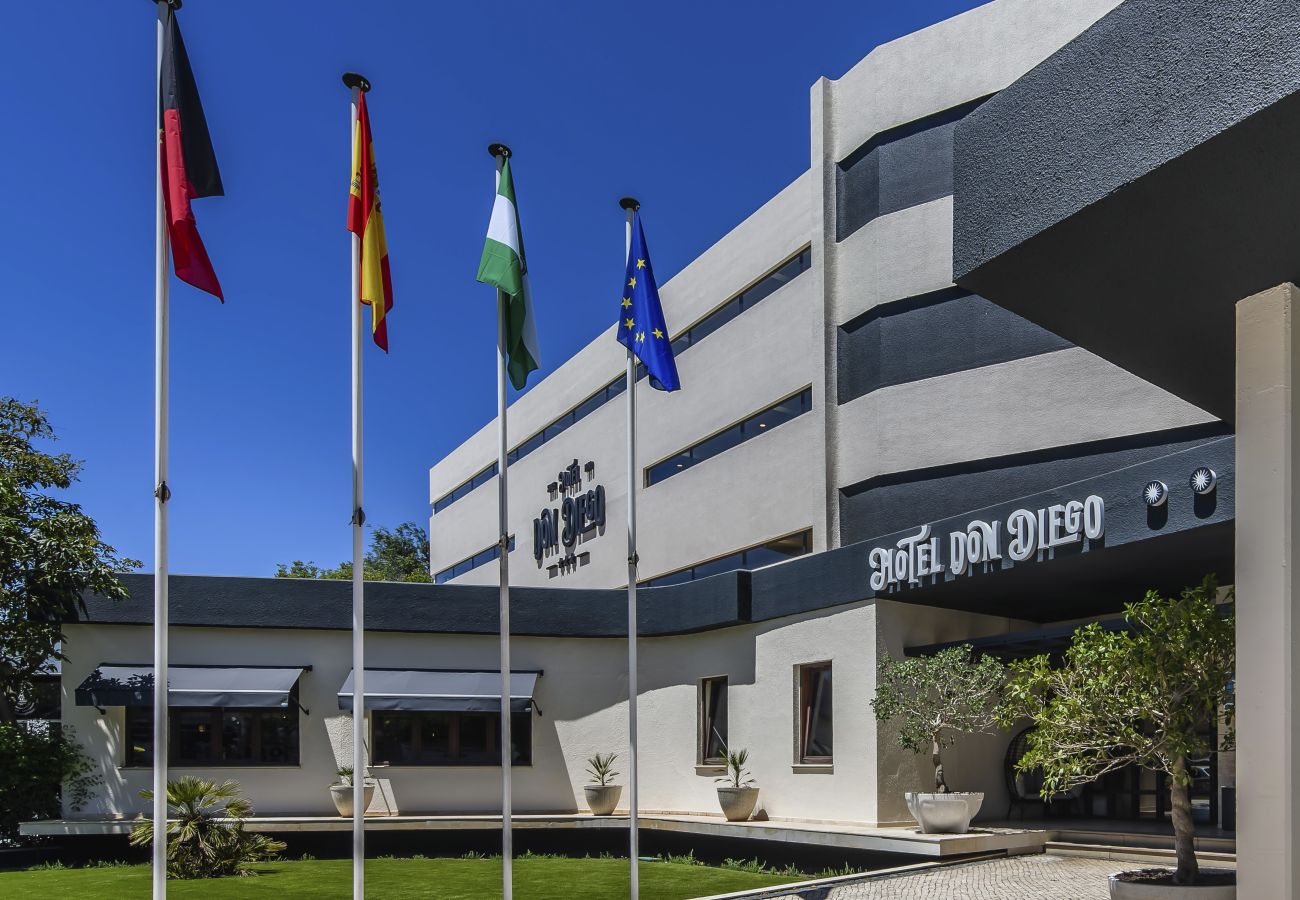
<point>505,266</point>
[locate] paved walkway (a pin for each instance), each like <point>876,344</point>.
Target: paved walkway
<point>1033,877</point>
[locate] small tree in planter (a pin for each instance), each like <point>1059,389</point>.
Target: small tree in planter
<point>737,796</point>
<point>602,796</point>
<point>1151,697</point>
<point>934,699</point>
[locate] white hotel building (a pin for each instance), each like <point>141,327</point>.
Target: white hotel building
<point>841,395</point>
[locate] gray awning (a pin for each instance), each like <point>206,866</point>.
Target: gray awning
<point>235,686</point>
<point>441,690</point>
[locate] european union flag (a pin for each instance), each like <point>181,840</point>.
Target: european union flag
<point>641,325</point>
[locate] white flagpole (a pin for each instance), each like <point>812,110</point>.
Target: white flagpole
<point>630,206</point>
<point>162,494</point>
<point>500,152</point>
<point>358,84</point>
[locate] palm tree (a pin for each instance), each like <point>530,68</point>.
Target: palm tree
<point>207,837</point>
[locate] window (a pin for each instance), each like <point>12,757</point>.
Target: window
<point>403,738</point>
<point>815,722</point>
<point>775,551</point>
<point>743,301</point>
<point>713,721</point>
<point>217,736</point>
<point>760,422</point>
<point>469,563</point>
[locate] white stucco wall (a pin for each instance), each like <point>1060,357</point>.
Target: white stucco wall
<point>582,710</point>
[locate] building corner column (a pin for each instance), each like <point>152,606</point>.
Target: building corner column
<point>1267,632</point>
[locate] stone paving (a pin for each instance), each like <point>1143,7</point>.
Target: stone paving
<point>1031,877</point>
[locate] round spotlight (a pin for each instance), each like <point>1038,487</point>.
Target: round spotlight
<point>1203,480</point>
<point>1155,493</point>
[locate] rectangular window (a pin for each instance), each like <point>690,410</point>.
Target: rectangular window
<point>815,719</point>
<point>482,558</point>
<point>403,738</point>
<point>217,736</point>
<point>713,721</point>
<point>750,427</point>
<point>755,557</point>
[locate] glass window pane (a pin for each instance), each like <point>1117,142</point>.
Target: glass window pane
<point>589,406</point>
<point>530,445</point>
<point>394,736</point>
<point>714,719</point>
<point>681,342</point>
<point>477,739</point>
<point>435,738</point>
<point>710,447</point>
<point>279,737</point>
<point>192,737</point>
<point>815,707</point>
<point>668,468</point>
<point>237,735</point>
<point>681,577</point>
<point>717,566</point>
<point>616,388</point>
<point>714,321</point>
<point>139,736</point>
<point>521,738</point>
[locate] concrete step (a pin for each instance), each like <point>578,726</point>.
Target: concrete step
<point>1131,854</point>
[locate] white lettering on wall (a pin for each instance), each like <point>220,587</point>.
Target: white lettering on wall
<point>1030,532</point>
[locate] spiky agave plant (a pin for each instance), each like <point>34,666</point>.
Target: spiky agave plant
<point>206,838</point>
<point>737,775</point>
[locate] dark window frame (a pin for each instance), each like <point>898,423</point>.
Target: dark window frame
<point>739,557</point>
<point>521,734</point>
<point>139,720</point>
<point>810,689</point>
<point>471,562</point>
<point>707,720</point>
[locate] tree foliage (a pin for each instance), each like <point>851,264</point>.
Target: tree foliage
<point>936,698</point>
<point>1151,697</point>
<point>50,551</point>
<point>207,838</point>
<point>399,554</point>
<point>38,766</point>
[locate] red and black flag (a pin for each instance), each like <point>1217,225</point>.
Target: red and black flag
<point>189,167</point>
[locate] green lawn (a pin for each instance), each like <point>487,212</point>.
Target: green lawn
<point>399,879</point>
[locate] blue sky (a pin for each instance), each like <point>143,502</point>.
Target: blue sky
<point>698,109</point>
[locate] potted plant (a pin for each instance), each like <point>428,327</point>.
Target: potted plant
<point>934,699</point>
<point>738,796</point>
<point>602,796</point>
<point>1151,696</point>
<point>341,791</point>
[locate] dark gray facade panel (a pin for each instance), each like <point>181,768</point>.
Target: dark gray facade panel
<point>933,334</point>
<point>1149,81</point>
<point>902,167</point>
<point>892,503</point>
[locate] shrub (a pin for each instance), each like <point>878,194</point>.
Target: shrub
<point>201,844</point>
<point>601,769</point>
<point>36,766</point>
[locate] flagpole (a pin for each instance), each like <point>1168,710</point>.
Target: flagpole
<point>501,152</point>
<point>358,84</point>
<point>630,206</point>
<point>161,494</point>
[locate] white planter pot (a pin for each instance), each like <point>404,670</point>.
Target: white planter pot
<point>602,800</point>
<point>948,813</point>
<point>1137,890</point>
<point>342,796</point>
<point>737,802</point>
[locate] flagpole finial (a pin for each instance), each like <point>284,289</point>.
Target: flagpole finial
<point>630,203</point>
<point>355,80</point>
<point>500,150</point>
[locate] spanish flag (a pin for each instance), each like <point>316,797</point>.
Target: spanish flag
<point>366,220</point>
<point>188,164</point>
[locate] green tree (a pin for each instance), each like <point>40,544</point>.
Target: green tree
<point>399,554</point>
<point>38,767</point>
<point>1151,697</point>
<point>935,698</point>
<point>50,551</point>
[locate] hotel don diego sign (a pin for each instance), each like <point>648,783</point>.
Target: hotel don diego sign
<point>579,512</point>
<point>1021,536</point>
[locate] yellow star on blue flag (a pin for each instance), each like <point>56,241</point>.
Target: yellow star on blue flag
<point>641,327</point>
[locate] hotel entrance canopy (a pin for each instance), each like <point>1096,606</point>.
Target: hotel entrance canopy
<point>440,690</point>
<point>1129,190</point>
<point>236,686</point>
